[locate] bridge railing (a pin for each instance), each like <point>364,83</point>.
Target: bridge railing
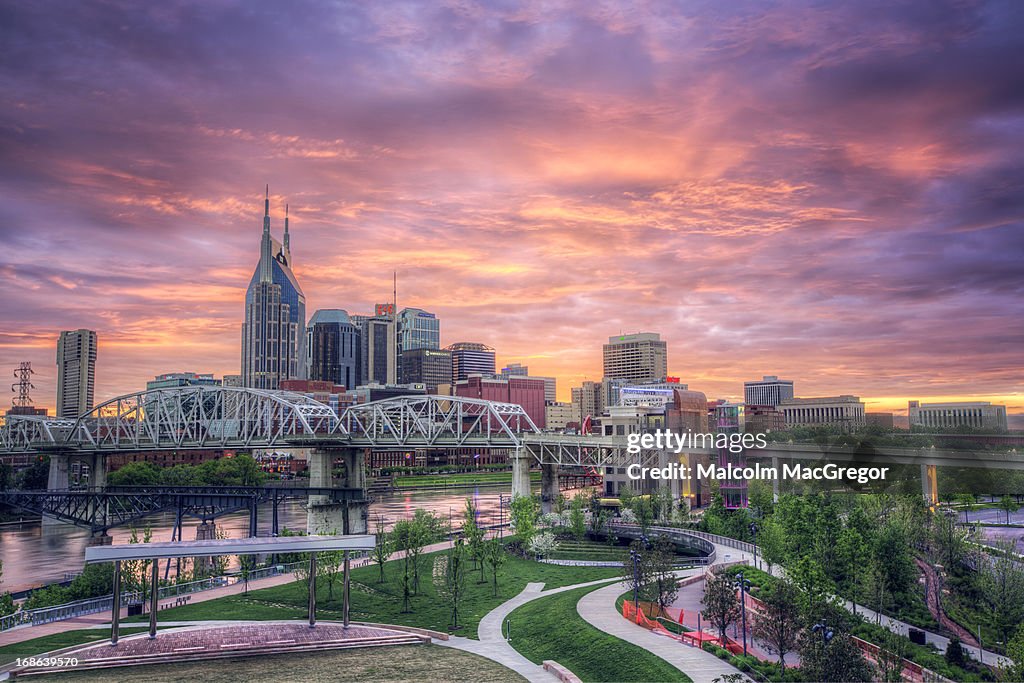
<point>712,539</point>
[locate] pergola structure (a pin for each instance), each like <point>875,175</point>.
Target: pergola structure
<point>226,546</point>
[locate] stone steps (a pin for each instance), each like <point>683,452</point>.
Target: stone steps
<point>221,652</point>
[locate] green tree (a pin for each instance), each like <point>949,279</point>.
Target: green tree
<point>36,476</point>
<point>382,548</point>
<point>955,655</point>
<point>893,648</point>
<point>721,607</point>
<point>134,573</point>
<point>246,565</point>
<point>777,626</point>
<point>495,558</point>
<point>771,542</point>
<point>1008,505</point>
<point>577,518</point>
<point>455,578</point>
<point>404,533</point>
<point>523,516</point>
<point>329,566</point>
<point>814,585</point>
<point>474,537</point>
<point>837,659</point>
<point>1014,671</point>
<point>1002,584</point>
<point>135,474</point>
<point>6,601</point>
<point>663,584</point>
<point>966,500</point>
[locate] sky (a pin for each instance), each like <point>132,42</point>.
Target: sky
<point>828,192</point>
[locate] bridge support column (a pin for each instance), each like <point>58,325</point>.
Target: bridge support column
<point>548,487</point>
<point>98,472</point>
<point>357,513</point>
<point>323,517</point>
<point>59,479</point>
<point>521,460</point>
<point>930,485</point>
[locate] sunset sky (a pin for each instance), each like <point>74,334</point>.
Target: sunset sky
<point>829,192</point>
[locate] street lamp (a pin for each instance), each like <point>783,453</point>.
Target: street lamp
<point>753,531</point>
<point>743,586</point>
<point>822,628</point>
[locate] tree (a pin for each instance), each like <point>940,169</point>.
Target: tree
<point>778,625</point>
<point>474,537</point>
<point>382,548</point>
<point>835,659</point>
<point>543,544</point>
<point>455,578</point>
<point>36,476</point>
<point>134,572</point>
<point>955,655</point>
<point>1008,505</point>
<point>853,553</point>
<point>721,607</point>
<point>577,518</point>
<point>495,557</point>
<point>771,542</point>
<point>663,584</point>
<point>246,563</point>
<point>6,601</point>
<point>892,649</point>
<point>523,516</point>
<point>1002,584</point>
<point>135,474</point>
<point>966,500</point>
<point>1015,653</point>
<point>404,532</point>
<point>329,565</point>
<point>6,476</point>
<point>813,584</point>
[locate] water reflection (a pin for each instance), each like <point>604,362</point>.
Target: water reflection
<point>33,555</point>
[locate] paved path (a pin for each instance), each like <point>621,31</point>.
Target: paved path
<point>598,609</point>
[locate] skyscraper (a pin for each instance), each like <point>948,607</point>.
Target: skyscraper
<point>471,358</point>
<point>274,331</point>
<point>335,348</point>
<point>418,329</point>
<point>380,347</point>
<point>432,367</point>
<point>641,357</point>
<point>76,372</point>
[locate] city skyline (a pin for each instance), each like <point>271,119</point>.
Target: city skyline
<point>833,200</point>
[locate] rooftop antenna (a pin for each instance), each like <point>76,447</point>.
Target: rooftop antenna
<point>23,386</point>
<point>287,239</point>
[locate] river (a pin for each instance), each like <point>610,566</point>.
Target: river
<point>33,555</point>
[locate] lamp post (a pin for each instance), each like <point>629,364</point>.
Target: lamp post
<point>753,532</point>
<point>743,585</point>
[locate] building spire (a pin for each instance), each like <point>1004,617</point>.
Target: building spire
<point>266,248</point>
<point>287,238</point>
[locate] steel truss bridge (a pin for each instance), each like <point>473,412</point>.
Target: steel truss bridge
<point>100,510</point>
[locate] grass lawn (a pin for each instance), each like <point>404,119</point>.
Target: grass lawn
<point>411,480</point>
<point>56,641</point>
<point>551,628</point>
<point>382,602</point>
<point>410,663</point>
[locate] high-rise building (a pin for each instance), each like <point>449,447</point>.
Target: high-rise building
<point>379,348</point>
<point>418,329</point>
<point>274,332</point>
<point>977,414</point>
<point>471,358</point>
<point>425,366</point>
<point>76,372</point>
<point>640,357</point>
<point>335,348</point>
<point>768,391</point>
<point>182,379</point>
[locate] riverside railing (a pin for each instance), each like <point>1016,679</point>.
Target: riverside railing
<point>70,610</point>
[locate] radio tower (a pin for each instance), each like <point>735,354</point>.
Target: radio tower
<point>23,401</point>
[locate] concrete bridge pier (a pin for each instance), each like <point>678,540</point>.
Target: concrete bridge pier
<point>521,460</point>
<point>930,485</point>
<point>58,479</point>
<point>324,516</point>
<point>548,487</point>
